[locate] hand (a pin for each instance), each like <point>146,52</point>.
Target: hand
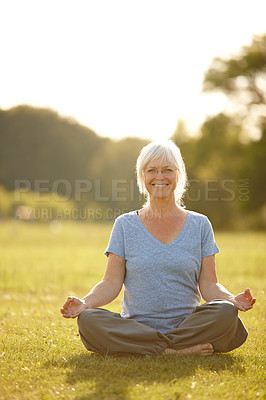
<point>73,307</point>
<point>244,301</point>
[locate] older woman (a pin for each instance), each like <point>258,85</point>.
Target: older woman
<point>164,257</point>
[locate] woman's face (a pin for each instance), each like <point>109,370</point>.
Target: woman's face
<point>160,179</point>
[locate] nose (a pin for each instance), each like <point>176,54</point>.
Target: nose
<point>160,173</point>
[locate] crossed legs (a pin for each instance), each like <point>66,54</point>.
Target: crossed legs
<point>212,327</point>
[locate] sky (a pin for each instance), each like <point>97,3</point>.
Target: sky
<point>121,67</point>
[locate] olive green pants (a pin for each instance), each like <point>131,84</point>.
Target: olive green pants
<point>215,322</point>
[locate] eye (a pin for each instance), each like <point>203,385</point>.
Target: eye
<point>151,171</point>
<point>168,171</point>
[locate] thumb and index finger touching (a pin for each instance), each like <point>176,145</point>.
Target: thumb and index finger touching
<point>66,304</point>
<point>249,297</point>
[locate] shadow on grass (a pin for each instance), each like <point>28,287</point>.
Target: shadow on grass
<point>109,377</point>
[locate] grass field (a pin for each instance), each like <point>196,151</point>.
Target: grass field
<point>42,357</point>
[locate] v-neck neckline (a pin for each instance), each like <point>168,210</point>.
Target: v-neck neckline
<point>157,241</point>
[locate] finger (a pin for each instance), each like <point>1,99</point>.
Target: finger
<point>70,299</point>
<point>68,302</point>
<point>248,294</point>
<point>64,311</point>
<point>65,305</point>
<point>248,307</point>
<point>65,315</point>
<point>251,304</point>
<point>252,300</point>
<point>241,307</point>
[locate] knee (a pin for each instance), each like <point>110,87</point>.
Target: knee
<point>92,317</point>
<point>225,310</point>
<point>85,316</point>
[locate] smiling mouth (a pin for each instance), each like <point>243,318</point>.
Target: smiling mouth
<point>160,186</point>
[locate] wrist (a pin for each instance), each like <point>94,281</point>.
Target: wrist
<point>87,302</point>
<point>232,299</point>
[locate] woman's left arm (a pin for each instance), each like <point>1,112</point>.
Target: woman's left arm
<point>211,289</point>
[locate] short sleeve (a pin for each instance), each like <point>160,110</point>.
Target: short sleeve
<point>116,243</point>
<point>208,244</point>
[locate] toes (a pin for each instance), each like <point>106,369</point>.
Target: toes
<point>206,353</point>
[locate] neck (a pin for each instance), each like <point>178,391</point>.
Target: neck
<point>162,207</point>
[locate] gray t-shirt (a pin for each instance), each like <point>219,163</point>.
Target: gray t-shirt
<point>161,281</point>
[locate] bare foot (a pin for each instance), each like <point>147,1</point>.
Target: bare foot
<point>199,350</point>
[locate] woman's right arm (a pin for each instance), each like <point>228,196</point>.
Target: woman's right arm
<point>103,293</point>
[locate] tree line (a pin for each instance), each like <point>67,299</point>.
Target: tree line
<point>60,168</point>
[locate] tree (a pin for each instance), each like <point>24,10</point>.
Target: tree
<point>38,144</point>
<point>213,160</point>
<point>43,152</point>
<point>180,134</point>
<point>243,79</point>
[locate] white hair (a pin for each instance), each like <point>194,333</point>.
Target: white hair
<point>165,151</point>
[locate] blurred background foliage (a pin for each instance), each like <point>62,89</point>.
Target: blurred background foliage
<point>52,167</point>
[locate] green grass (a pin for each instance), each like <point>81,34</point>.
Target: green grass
<point>42,357</point>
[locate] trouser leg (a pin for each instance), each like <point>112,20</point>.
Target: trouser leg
<point>105,332</point>
<point>215,322</point>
